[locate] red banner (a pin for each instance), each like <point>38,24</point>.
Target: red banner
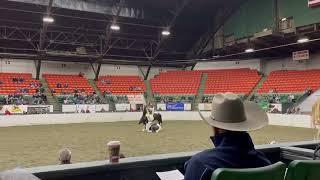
<point>313,3</point>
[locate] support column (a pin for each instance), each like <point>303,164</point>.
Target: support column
<point>147,74</point>
<point>97,72</point>
<point>38,68</point>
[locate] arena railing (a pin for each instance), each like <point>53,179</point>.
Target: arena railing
<point>140,168</point>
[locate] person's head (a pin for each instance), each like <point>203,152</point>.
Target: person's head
<point>17,174</point>
<point>65,156</point>
<point>229,113</point>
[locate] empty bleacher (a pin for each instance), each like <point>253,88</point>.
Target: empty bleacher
<point>239,81</point>
<point>176,82</point>
<point>73,81</point>
<point>121,85</point>
<point>291,81</point>
<point>7,86</point>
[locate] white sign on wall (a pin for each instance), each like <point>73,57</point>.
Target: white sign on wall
<point>123,107</point>
<point>300,55</point>
<point>161,107</point>
<point>313,3</point>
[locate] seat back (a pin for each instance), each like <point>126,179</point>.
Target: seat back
<point>306,170</point>
<point>273,172</point>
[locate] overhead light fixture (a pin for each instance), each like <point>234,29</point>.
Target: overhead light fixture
<point>303,40</point>
<point>115,27</point>
<point>48,19</point>
<point>283,19</point>
<point>165,32</point>
<point>249,50</point>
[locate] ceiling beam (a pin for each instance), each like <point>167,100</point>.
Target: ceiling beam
<point>172,22</point>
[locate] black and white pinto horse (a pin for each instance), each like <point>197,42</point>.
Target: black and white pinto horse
<point>154,125</point>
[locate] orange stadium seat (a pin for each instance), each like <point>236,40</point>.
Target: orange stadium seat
<point>74,82</point>
<point>176,82</point>
<point>9,87</point>
<point>121,85</point>
<point>239,81</point>
<point>291,81</point>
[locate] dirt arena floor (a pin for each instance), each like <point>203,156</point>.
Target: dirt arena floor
<point>39,145</point>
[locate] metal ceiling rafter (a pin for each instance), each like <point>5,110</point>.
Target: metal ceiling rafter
<point>109,31</point>
<point>43,33</point>
<point>176,13</point>
<point>219,20</point>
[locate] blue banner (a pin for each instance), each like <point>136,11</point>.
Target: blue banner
<point>175,107</point>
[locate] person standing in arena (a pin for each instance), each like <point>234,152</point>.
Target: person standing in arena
<point>230,120</point>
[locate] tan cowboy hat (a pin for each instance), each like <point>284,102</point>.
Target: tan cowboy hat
<point>230,113</point>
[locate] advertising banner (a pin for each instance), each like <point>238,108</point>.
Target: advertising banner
<point>136,99</point>
<point>102,107</point>
<point>175,107</point>
<point>187,107</point>
<point>123,107</point>
<point>204,106</point>
<point>161,107</point>
<point>313,3</point>
<point>14,109</point>
<point>86,108</point>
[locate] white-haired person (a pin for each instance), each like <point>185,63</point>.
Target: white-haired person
<point>17,174</point>
<point>65,156</point>
<point>230,120</point>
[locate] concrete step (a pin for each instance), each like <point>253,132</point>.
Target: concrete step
<point>57,107</point>
<point>96,89</point>
<point>149,93</point>
<point>201,89</point>
<point>255,89</point>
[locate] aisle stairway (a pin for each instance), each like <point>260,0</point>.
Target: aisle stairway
<point>57,107</point>
<point>258,86</point>
<point>199,95</point>
<point>149,94</point>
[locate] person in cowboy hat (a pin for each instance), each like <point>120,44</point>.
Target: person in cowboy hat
<point>230,120</point>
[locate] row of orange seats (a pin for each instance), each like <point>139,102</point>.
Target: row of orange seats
<point>287,81</point>
<point>73,81</point>
<point>121,84</point>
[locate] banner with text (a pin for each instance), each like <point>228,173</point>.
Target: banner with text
<point>161,107</point>
<point>313,3</point>
<point>123,107</point>
<point>175,107</point>
<point>86,108</point>
<point>300,55</point>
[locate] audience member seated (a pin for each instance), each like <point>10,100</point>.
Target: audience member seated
<point>291,81</point>
<point>176,83</point>
<point>233,145</point>
<point>239,81</point>
<point>20,89</point>
<point>121,85</point>
<point>81,98</point>
<point>186,98</point>
<point>65,156</point>
<point>65,84</point>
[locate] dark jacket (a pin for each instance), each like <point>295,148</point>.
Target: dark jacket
<point>232,150</point>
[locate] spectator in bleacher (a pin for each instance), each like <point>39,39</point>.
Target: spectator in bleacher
<point>66,85</point>
<point>53,91</point>
<point>59,85</point>
<point>76,90</point>
<point>65,156</point>
<point>1,82</point>
<point>230,120</point>
<point>81,74</point>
